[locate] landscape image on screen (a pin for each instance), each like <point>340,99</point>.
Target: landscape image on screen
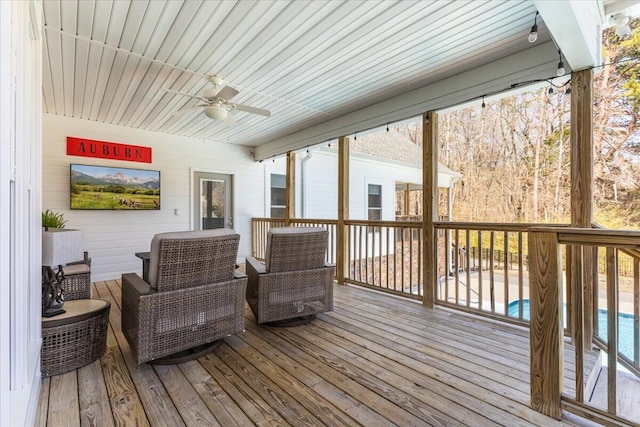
<point>100,187</point>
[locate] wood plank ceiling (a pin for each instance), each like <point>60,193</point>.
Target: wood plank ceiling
<point>305,61</point>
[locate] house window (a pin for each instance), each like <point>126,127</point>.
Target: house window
<point>374,202</point>
<point>278,195</point>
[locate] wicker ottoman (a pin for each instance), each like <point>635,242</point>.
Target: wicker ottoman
<point>75,338</point>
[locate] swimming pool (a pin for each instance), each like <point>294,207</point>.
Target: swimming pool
<point>625,325</point>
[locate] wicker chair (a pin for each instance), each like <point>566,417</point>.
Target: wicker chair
<point>193,298</point>
<point>294,284</point>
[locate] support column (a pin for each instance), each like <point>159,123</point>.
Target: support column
<point>546,331</point>
<point>429,206</point>
<point>290,191</point>
<point>582,280</point>
<point>342,238</point>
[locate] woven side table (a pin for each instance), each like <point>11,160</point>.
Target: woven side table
<point>75,338</point>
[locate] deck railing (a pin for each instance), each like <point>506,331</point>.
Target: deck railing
<point>386,256</point>
<point>261,226</point>
<point>477,275</point>
<point>616,300</point>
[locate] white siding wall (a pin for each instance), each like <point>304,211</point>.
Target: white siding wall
<point>112,237</point>
<point>321,184</point>
<point>20,237</point>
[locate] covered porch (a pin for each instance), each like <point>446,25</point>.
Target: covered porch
<point>426,348</point>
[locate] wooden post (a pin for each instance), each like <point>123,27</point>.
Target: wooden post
<point>290,191</point>
<point>582,205</point>
<point>342,238</point>
<point>429,206</point>
<point>407,203</point>
<point>546,332</point>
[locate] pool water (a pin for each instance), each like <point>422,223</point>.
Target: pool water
<point>625,325</point>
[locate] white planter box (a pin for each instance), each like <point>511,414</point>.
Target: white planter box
<point>60,246</point>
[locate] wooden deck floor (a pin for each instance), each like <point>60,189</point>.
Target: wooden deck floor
<point>375,360</point>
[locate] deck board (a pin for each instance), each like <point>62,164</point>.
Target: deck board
<point>375,360</point>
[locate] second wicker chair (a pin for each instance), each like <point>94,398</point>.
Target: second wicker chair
<point>294,284</point>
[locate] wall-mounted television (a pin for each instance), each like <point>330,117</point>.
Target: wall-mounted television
<point>103,187</point>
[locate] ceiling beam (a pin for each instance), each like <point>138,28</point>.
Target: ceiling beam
<point>576,26</point>
<point>538,62</point>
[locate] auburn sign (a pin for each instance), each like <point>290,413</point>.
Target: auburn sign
<point>107,150</point>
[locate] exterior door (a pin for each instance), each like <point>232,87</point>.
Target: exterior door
<point>212,201</point>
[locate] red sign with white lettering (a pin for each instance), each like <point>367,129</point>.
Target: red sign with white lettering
<point>107,150</point>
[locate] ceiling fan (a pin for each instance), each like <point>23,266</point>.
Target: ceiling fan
<point>216,103</point>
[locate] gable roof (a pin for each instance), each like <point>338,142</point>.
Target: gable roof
<point>395,147</point>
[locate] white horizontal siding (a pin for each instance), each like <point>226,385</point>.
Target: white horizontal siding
<point>321,183</point>
<point>112,237</point>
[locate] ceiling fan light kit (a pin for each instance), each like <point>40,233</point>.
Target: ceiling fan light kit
<point>215,111</point>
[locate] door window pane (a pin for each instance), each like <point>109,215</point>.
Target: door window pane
<point>278,195</point>
<point>212,203</point>
<point>374,199</point>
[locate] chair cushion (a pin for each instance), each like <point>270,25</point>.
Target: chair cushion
<point>183,259</point>
<point>295,248</point>
<point>70,270</point>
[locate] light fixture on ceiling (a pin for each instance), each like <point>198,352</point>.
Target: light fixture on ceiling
<point>550,91</point>
<point>621,21</point>
<point>483,104</point>
<point>216,111</point>
<point>533,35</point>
<point>561,69</point>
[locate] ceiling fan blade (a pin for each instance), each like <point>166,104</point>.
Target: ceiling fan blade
<point>227,93</point>
<point>187,110</point>
<point>252,110</point>
<point>183,94</point>
<point>230,120</point>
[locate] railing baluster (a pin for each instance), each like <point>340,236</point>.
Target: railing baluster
<point>520,278</point>
<point>395,259</point>
<point>456,266</point>
<point>410,260</point>
<point>568,288</point>
<point>447,263</point>
<point>419,238</point>
<point>467,254</point>
<point>612,328</point>
<point>480,297</point>
<point>506,274</point>
<point>492,290</point>
<point>636,311</point>
<point>387,258</point>
<point>402,289</point>
<point>380,257</point>
<point>350,255</point>
<point>366,255</point>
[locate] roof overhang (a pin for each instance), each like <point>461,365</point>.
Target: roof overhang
<point>538,62</point>
<point>576,27</point>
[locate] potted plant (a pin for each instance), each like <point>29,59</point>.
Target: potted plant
<point>59,247</point>
<point>52,219</point>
